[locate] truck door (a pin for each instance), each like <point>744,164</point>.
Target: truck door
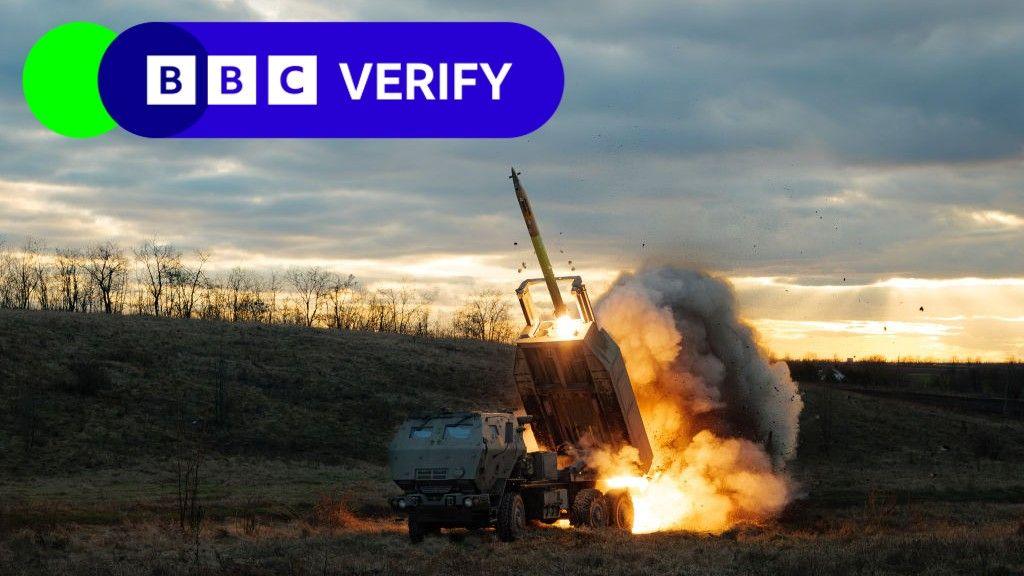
<point>492,435</point>
<point>500,445</point>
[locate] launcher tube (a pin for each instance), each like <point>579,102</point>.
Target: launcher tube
<point>538,245</point>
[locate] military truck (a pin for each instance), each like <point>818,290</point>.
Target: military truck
<point>474,469</point>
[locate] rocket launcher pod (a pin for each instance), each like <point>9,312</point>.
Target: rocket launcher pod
<point>569,372</point>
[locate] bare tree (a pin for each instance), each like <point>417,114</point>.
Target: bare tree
<point>243,296</point>
<point>310,286</point>
<point>399,307</point>
<point>485,316</point>
<point>272,286</point>
<point>23,274</point>
<point>7,291</point>
<point>421,318</point>
<point>71,279</point>
<point>107,268</point>
<point>235,285</point>
<point>161,282</point>
<point>184,281</point>
<point>40,269</point>
<point>214,301</point>
<point>375,312</point>
<point>362,309</point>
<point>340,295</point>
<point>158,262</point>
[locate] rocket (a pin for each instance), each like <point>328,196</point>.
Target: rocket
<point>538,245</point>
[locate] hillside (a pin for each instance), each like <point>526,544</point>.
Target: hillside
<point>90,391</point>
<point>293,424</point>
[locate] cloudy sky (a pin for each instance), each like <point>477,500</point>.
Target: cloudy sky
<point>846,164</point>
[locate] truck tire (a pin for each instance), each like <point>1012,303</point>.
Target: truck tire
<point>621,510</point>
<point>600,515</point>
<point>416,531</point>
<point>589,508</point>
<point>511,517</point>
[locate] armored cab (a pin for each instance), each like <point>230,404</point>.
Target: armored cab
<point>454,453</point>
<point>471,470</point>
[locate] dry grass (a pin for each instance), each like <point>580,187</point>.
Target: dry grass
<point>900,489</point>
<point>932,544</point>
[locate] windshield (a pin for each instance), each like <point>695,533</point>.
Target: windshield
<point>458,431</point>
<point>421,433</point>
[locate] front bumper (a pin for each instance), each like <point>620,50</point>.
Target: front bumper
<point>446,509</point>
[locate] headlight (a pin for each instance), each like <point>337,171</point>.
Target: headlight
<point>468,502</point>
<point>402,504</point>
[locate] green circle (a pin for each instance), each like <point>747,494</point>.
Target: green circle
<point>61,79</point>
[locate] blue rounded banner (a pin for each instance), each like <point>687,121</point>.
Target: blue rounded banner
<point>331,80</point>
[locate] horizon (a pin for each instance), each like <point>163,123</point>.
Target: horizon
<point>910,328</point>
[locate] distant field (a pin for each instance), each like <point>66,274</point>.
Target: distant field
<point>292,425</point>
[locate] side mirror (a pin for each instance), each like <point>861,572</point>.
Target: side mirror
<point>524,420</point>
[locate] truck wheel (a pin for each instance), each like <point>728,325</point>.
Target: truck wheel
<point>587,502</point>
<point>416,531</point>
<point>599,513</point>
<point>622,510</point>
<point>511,517</point>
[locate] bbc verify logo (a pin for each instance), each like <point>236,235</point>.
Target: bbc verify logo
<point>298,80</point>
<point>230,80</point>
<point>292,80</point>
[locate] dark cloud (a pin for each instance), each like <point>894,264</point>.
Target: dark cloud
<point>793,138</point>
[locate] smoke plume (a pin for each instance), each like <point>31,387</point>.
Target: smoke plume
<point>722,419</point>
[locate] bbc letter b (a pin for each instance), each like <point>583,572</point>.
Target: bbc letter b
<point>231,80</point>
<point>170,80</point>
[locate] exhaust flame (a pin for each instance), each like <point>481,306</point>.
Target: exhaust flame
<point>566,327</point>
<point>721,418</point>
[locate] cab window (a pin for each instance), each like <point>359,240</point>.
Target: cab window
<point>458,431</point>
<point>421,433</point>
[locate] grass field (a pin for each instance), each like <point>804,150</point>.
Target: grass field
<point>292,424</point>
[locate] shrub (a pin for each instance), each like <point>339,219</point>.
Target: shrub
<point>334,512</point>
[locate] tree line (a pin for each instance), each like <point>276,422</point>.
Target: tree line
<point>159,279</point>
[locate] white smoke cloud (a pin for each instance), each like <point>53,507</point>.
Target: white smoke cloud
<point>683,341</point>
<point>722,419</point>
